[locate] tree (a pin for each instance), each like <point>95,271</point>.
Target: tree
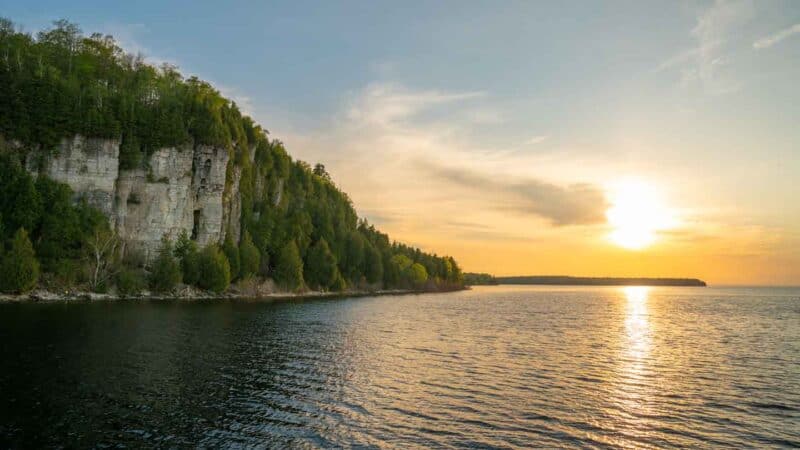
<point>249,258</point>
<point>213,269</point>
<point>187,253</point>
<point>320,269</point>
<point>289,267</point>
<point>165,272</point>
<point>19,271</point>
<point>102,256</point>
<point>319,170</point>
<point>232,253</point>
<point>373,264</point>
<point>417,275</point>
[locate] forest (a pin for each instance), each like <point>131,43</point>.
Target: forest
<point>60,83</point>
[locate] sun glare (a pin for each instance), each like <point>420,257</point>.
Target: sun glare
<point>637,214</point>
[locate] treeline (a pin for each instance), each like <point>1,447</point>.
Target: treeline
<point>297,227</point>
<point>478,279</point>
<point>600,281</point>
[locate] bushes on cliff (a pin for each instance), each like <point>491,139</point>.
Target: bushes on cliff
<point>19,269</point>
<point>165,271</point>
<point>214,272</point>
<point>289,268</point>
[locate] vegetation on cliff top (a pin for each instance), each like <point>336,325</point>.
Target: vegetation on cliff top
<point>297,226</point>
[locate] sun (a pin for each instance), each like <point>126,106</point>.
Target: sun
<point>637,213</point>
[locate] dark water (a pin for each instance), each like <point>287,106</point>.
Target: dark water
<point>493,367</point>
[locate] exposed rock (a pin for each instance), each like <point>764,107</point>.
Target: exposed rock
<point>151,204</point>
<point>210,164</point>
<point>181,188</point>
<point>233,206</point>
<point>90,166</point>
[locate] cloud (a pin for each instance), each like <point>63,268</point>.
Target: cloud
<point>385,104</point>
<point>536,140</point>
<point>575,204</point>
<point>769,41</point>
<point>411,159</point>
<point>704,64</point>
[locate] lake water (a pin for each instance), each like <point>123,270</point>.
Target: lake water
<point>491,367</point>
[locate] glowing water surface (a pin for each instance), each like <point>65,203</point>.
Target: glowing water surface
<point>499,366</point>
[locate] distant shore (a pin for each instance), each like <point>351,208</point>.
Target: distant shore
<point>560,280</point>
<point>41,296</point>
<point>601,281</point>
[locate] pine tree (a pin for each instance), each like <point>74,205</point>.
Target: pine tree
<point>320,268</point>
<point>232,253</point>
<point>249,258</point>
<point>19,271</point>
<point>289,268</point>
<point>213,269</point>
<point>165,272</point>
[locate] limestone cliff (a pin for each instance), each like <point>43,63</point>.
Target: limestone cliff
<point>179,188</point>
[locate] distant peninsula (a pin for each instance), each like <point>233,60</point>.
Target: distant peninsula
<point>486,279</point>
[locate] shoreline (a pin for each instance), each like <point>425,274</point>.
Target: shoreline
<point>42,296</point>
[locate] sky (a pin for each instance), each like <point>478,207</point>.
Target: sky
<point>518,137</point>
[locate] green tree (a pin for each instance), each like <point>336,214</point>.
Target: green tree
<point>131,281</point>
<point>417,275</point>
<point>232,253</point>
<point>320,269</point>
<point>165,272</point>
<point>373,264</point>
<point>187,253</point>
<point>19,271</point>
<point>249,257</point>
<point>289,267</point>
<point>214,270</point>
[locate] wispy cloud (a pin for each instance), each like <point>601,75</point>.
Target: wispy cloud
<point>703,65</point>
<point>536,140</point>
<point>769,41</point>
<point>575,204</point>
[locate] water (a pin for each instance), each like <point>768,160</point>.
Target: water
<point>492,367</point>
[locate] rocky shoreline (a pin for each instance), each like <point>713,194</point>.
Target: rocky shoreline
<point>189,294</point>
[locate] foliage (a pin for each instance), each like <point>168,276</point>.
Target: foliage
<point>103,257</point>
<point>165,272</point>
<point>187,253</point>
<point>289,269</point>
<point>249,258</point>
<point>232,253</point>
<point>131,281</point>
<point>213,269</point>
<point>61,82</point>
<point>320,269</point>
<point>19,270</point>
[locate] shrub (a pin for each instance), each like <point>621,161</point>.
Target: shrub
<point>213,269</point>
<point>249,257</point>
<point>186,251</point>
<point>289,269</point>
<point>232,253</point>
<point>19,270</point>
<point>131,281</point>
<point>165,272</point>
<point>320,269</point>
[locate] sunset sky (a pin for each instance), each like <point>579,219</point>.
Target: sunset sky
<point>624,139</point>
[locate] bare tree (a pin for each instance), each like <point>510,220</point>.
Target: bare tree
<point>104,249</point>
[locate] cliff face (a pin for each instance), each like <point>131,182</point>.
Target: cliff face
<point>181,188</point>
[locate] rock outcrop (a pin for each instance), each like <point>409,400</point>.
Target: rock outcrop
<point>178,189</point>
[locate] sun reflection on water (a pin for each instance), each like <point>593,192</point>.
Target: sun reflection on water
<point>632,393</point>
<point>637,326</point>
